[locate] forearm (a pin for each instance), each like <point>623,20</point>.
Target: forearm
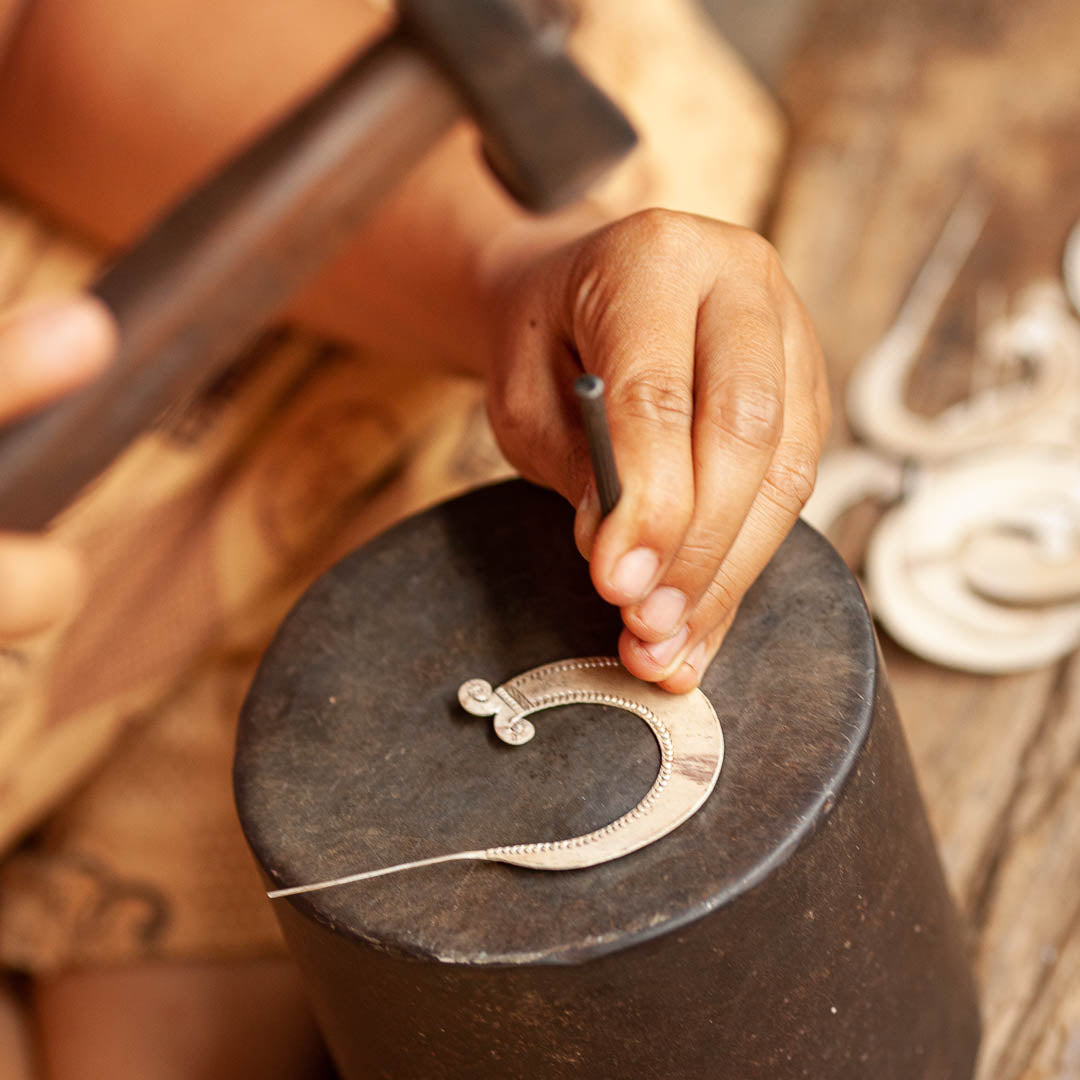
<point>715,383</point>
<point>422,279</point>
<point>110,108</point>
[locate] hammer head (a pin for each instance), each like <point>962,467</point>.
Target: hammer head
<point>548,131</point>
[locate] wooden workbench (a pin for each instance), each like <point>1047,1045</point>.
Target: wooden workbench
<point>896,107</point>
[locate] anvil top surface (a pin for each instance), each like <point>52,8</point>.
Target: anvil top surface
<point>354,754</point>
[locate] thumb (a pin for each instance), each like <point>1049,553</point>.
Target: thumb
<point>633,317</point>
<point>41,585</point>
<point>50,347</point>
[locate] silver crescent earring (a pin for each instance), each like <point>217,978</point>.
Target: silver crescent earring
<point>691,752</point>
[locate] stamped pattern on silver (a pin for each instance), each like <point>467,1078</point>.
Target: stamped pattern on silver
<point>686,728</point>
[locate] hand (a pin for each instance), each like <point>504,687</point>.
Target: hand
<point>45,350</point>
<point>718,407</point>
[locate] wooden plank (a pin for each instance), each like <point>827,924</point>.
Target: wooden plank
<point>896,108</point>
<point>968,737</point>
<point>1029,922</point>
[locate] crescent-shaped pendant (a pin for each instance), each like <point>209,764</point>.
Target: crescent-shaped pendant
<point>687,730</point>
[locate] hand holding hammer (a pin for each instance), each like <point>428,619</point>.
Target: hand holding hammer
<point>714,380</point>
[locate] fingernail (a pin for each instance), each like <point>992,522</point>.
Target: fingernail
<point>587,520</point>
<point>696,659</point>
<point>663,652</point>
<point>69,336</point>
<point>663,609</point>
<point>634,573</point>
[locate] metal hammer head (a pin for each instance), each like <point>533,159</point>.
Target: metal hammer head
<point>548,131</point>
<point>192,291</point>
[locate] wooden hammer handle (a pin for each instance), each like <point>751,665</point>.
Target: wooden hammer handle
<point>202,281</point>
<point>198,285</point>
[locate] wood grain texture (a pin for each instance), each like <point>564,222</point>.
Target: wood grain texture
<point>896,108</point>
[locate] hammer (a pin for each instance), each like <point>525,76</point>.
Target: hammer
<point>202,281</point>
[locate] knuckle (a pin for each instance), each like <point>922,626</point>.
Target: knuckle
<point>663,242</point>
<point>697,560</point>
<point>722,594</point>
<point>655,397</point>
<point>761,257</point>
<point>753,417</point>
<point>699,553</point>
<point>665,512</point>
<point>790,479</point>
<point>664,232</point>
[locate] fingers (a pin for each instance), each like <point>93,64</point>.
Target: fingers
<point>783,490</point>
<point>717,406</point>
<point>738,418</point>
<point>530,397</point>
<point>50,348</point>
<point>688,672</point>
<point>40,585</point>
<point>634,310</point>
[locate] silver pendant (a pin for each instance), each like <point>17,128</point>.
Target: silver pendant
<point>687,730</point>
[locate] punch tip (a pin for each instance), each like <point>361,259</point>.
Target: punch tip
<point>589,387</point>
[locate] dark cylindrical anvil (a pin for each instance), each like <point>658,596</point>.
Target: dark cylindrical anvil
<point>797,926</point>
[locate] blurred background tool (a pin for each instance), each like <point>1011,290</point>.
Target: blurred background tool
<point>976,562</point>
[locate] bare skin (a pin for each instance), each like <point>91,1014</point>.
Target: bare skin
<point>717,400</point>
<point>45,350</point>
<point>717,409</point>
<point>184,1022</point>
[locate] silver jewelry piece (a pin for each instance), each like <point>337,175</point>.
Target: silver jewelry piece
<point>691,752</point>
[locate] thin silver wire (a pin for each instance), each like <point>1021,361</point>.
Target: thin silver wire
<point>349,878</point>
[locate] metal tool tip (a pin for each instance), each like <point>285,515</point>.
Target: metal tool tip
<point>589,387</point>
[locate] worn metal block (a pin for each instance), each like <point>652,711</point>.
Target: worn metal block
<point>797,926</point>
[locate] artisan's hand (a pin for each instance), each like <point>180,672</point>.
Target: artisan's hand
<point>45,350</point>
<point>718,409</point>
